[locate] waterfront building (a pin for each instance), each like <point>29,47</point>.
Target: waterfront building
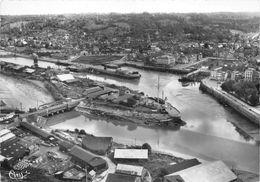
<point>131,154</point>
<point>210,172</point>
<point>218,74</point>
<point>122,178</point>
<point>86,159</point>
<point>130,170</point>
<point>165,60</point>
<point>38,131</point>
<point>181,166</point>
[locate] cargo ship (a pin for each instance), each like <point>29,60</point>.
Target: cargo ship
<point>118,73</point>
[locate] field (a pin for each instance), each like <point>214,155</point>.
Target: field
<point>96,60</point>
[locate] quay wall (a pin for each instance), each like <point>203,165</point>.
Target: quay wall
<point>162,69</point>
<point>232,102</point>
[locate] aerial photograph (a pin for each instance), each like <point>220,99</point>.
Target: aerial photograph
<point>129,90</point>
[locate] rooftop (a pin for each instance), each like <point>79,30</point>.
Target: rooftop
<point>129,169</point>
<point>131,154</point>
<point>120,178</point>
<point>36,130</point>
<point>211,172</point>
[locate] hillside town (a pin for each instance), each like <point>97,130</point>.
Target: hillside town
<point>110,76</point>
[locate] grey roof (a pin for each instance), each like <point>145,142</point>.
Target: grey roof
<point>81,154</point>
<point>86,156</point>
<point>181,166</point>
<point>36,130</point>
<point>120,178</point>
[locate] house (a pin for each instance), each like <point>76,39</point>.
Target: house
<point>131,154</point>
<point>86,159</point>
<point>130,170</point>
<point>99,145</point>
<point>210,172</point>
<point>122,178</point>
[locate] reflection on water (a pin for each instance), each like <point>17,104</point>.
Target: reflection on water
<point>236,154</point>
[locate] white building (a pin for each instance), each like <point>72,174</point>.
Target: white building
<point>131,154</point>
<point>234,75</point>
<point>210,172</point>
<point>249,74</point>
<point>218,74</point>
<point>165,60</point>
<point>130,170</point>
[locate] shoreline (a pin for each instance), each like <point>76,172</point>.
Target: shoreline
<point>252,116</point>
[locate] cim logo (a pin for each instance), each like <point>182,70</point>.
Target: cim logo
<point>18,175</point>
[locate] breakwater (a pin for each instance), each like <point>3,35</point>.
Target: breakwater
<point>233,102</point>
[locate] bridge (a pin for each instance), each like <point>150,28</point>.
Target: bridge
<point>54,108</point>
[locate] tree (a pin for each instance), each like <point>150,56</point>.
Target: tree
<point>254,98</point>
<point>82,132</point>
<point>76,130</point>
<point>147,146</point>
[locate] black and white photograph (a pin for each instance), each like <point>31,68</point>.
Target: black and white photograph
<point>129,90</point>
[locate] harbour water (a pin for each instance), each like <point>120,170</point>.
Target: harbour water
<point>209,133</point>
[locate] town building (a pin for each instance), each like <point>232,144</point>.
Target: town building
<point>235,75</point>
<point>165,60</point>
<point>218,74</point>
<point>251,75</point>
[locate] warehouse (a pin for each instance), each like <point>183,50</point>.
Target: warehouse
<point>86,159</point>
<point>38,131</point>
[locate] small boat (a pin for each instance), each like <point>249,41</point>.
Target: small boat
<point>7,117</point>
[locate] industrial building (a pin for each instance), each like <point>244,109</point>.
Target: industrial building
<point>87,160</point>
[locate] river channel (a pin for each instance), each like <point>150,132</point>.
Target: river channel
<point>209,133</point>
